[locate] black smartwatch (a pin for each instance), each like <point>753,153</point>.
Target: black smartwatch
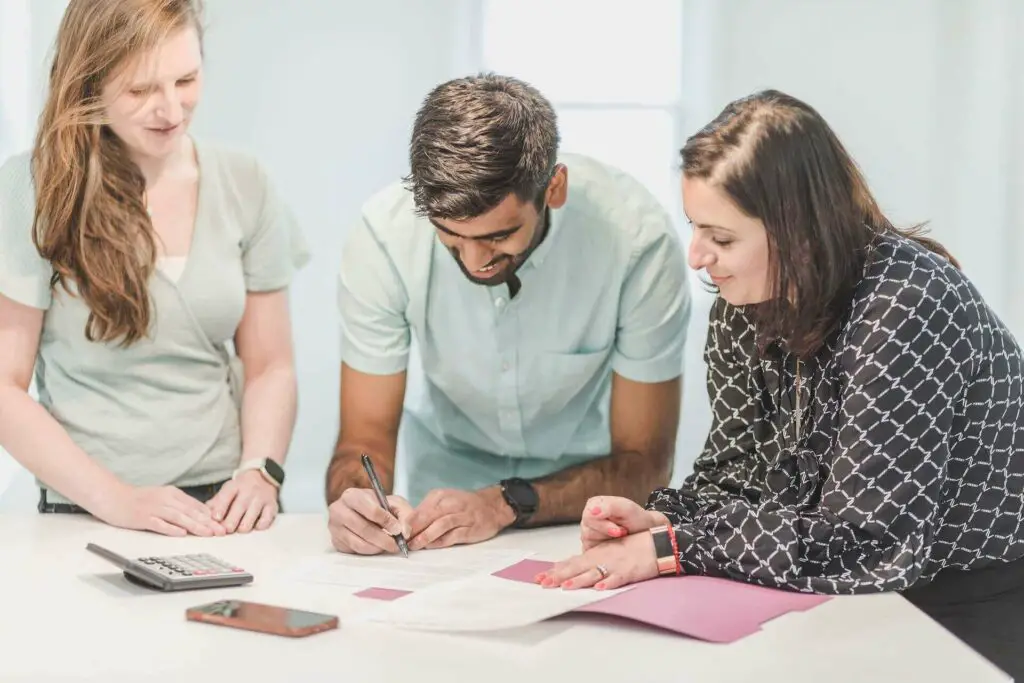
<point>521,497</point>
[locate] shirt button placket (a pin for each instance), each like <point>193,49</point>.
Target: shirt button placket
<point>509,416</point>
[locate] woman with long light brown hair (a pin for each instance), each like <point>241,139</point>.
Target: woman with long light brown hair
<point>144,275</point>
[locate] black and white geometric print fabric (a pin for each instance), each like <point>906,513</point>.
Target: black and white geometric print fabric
<point>912,453</point>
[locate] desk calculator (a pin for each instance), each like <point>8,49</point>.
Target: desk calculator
<point>176,572</point>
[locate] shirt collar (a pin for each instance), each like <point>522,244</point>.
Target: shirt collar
<point>536,259</point>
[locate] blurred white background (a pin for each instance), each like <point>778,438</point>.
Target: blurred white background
<point>926,94</point>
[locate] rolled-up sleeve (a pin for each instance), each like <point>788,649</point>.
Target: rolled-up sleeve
<point>375,335</point>
<point>24,274</point>
<point>654,312</point>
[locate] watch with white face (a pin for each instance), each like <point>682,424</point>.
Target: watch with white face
<point>270,469</point>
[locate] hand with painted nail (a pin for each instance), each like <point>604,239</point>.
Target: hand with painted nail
<point>612,564</point>
<point>609,517</point>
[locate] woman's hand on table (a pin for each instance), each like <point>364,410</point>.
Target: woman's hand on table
<point>164,510</point>
<point>611,564</point>
<point>609,517</point>
<point>245,503</point>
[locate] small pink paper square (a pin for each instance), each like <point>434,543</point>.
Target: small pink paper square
<point>524,570</point>
<point>382,593</point>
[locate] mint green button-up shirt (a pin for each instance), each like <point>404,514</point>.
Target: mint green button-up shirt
<point>500,386</point>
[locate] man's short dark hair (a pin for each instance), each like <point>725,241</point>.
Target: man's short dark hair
<point>475,141</point>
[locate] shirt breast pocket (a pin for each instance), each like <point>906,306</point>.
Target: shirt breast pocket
<point>557,380</point>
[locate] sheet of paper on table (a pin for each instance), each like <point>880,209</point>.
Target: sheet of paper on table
<point>422,569</point>
<point>483,603</point>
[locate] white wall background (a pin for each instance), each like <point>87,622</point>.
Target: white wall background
<point>925,93</point>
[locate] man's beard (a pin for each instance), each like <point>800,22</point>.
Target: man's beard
<point>509,263</point>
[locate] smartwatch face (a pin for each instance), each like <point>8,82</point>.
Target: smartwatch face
<point>274,470</point>
<point>524,495</point>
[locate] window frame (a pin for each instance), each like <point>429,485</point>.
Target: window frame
<point>676,109</point>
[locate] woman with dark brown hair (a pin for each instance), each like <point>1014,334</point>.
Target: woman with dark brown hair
<point>131,257</point>
<point>868,406</point>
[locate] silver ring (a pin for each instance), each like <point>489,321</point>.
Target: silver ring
<point>603,571</point>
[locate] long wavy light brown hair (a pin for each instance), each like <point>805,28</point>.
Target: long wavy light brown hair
<point>780,162</point>
<point>90,221</point>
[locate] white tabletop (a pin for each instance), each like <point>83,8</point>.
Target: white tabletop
<point>69,615</point>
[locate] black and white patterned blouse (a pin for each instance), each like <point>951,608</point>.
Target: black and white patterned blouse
<point>912,453</point>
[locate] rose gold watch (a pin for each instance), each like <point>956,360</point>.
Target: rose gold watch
<point>666,550</point>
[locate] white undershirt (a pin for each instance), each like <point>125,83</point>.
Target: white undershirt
<point>172,266</point>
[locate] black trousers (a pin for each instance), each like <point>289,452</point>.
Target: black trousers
<point>984,608</point>
<point>203,493</point>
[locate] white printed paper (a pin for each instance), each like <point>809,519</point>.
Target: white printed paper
<point>423,568</point>
<point>483,603</point>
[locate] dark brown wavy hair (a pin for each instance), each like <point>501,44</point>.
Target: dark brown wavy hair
<point>90,216</point>
<point>780,162</point>
<point>475,140</point>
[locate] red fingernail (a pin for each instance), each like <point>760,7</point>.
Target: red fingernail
<point>567,584</point>
<point>600,586</point>
<point>595,510</point>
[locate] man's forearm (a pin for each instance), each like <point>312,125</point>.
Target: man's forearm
<point>346,471</point>
<point>632,475</point>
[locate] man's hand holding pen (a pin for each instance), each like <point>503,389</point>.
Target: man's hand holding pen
<point>359,525</point>
<point>446,517</point>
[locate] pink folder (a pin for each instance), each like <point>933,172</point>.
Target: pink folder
<point>716,610</point>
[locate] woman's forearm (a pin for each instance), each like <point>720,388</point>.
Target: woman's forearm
<point>268,413</point>
<point>34,438</point>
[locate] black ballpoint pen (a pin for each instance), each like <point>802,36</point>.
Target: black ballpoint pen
<point>379,490</point>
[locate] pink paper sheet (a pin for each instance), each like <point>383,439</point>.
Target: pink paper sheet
<point>716,610</point>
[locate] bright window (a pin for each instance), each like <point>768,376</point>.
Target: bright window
<point>613,71</point>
